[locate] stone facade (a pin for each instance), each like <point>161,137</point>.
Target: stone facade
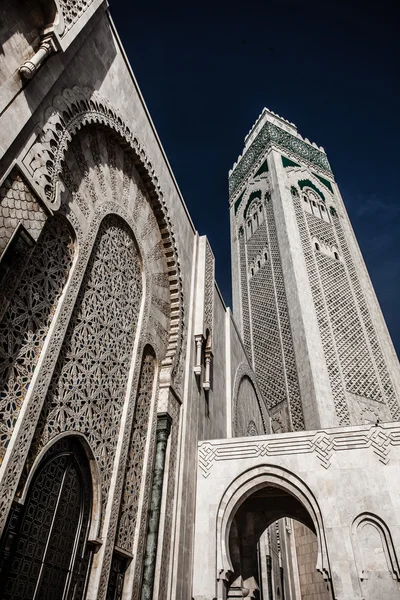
<point>118,355</point>
<point>309,318</point>
<point>340,484</point>
<point>116,345</point>
<point>323,356</point>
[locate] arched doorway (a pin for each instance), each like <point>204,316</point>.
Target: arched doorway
<point>254,501</point>
<point>45,549</point>
<point>267,552</point>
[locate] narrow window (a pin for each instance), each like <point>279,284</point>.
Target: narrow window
<point>314,203</point>
<point>260,208</point>
<point>322,207</point>
<point>259,264</point>
<point>336,255</point>
<point>265,256</point>
<point>316,246</point>
<point>252,272</point>
<point>305,198</point>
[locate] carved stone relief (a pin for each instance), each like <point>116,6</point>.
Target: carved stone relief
<point>248,405</point>
<point>87,391</point>
<point>44,160</point>
<point>18,205</point>
<point>141,429</point>
<point>26,321</point>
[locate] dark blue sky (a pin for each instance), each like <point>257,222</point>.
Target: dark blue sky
<point>206,70</point>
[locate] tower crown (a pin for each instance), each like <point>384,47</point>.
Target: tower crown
<point>268,115</point>
<point>271,129</point>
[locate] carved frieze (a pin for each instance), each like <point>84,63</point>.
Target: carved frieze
<point>322,443</point>
<point>269,135</point>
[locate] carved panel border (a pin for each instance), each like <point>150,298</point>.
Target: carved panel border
<point>321,443</point>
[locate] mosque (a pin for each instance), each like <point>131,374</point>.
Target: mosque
<point>154,444</point>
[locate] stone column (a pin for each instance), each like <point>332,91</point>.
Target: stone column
<point>162,433</point>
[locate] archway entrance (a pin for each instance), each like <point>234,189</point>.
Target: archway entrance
<point>320,479</point>
<point>44,551</point>
<point>273,549</point>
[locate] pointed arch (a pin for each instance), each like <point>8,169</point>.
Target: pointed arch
<point>243,375</point>
<point>27,317</point>
<point>371,520</point>
<point>48,549</point>
<point>88,386</point>
<point>70,111</point>
<point>247,484</point>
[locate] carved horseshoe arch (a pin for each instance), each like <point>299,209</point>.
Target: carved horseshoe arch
<point>70,111</point>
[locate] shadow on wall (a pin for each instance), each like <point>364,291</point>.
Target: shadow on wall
<point>22,24</point>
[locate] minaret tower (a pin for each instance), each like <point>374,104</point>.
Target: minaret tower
<point>310,320</point>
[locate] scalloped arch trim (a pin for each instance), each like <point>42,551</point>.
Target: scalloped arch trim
<point>70,111</point>
<point>307,183</point>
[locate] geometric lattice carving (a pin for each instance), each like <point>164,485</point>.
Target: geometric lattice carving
<point>27,319</point>
<point>244,294</point>
<point>87,390</point>
<point>72,10</point>
<point>45,159</point>
<point>209,290</point>
<point>18,205</point>
<point>251,429</point>
<point>248,418</point>
<point>271,134</point>
<point>136,454</point>
<point>330,351</point>
<point>374,349</point>
<point>268,359</point>
<point>274,359</point>
<point>353,355</point>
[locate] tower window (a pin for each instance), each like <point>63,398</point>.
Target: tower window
<point>322,207</point>
<point>305,198</point>
<point>314,203</point>
<point>265,256</point>
<point>259,264</point>
<point>252,271</point>
<point>316,246</point>
<point>260,209</point>
<point>336,255</point>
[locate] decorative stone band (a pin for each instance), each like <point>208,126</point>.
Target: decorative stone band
<point>269,135</point>
<point>162,433</point>
<point>323,443</point>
